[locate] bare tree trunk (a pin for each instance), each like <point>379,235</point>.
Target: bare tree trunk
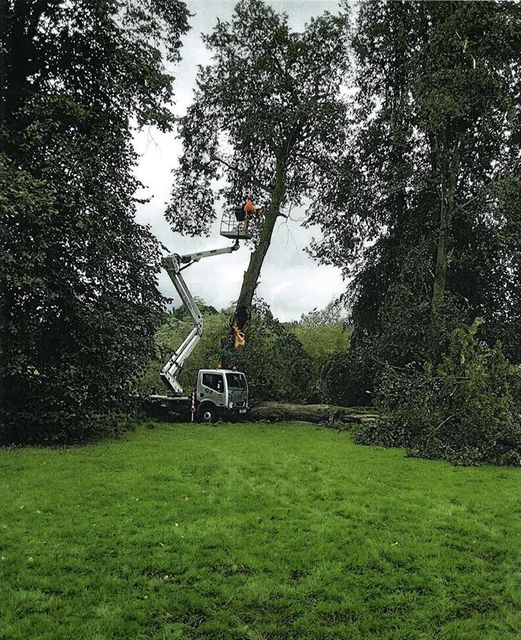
<point>274,411</point>
<point>440,273</point>
<point>251,275</point>
<point>447,189</point>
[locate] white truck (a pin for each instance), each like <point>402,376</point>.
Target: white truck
<point>217,393</point>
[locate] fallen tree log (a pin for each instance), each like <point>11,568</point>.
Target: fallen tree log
<point>278,411</point>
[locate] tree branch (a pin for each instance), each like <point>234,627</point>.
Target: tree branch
<point>234,168</point>
<point>288,76</point>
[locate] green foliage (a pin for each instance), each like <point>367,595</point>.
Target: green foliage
<point>282,361</point>
<point>277,366</point>
<point>207,354</point>
<point>347,379</point>
<point>325,344</point>
<point>321,341</point>
<point>78,275</point>
<point>182,313</point>
<point>332,314</point>
<point>268,104</point>
<point>466,410</point>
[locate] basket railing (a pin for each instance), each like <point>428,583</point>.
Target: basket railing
<point>233,228</point>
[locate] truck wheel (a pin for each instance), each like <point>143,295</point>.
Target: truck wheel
<point>206,413</point>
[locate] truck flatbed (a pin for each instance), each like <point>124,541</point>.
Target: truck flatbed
<point>158,397</point>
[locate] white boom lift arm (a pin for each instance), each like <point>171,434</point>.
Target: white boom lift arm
<point>173,265</point>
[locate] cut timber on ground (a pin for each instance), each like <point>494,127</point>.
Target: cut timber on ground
<point>310,412</point>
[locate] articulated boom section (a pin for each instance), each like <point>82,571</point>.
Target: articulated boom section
<point>172,368</point>
<point>172,265</point>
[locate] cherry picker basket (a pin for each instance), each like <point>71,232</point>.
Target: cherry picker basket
<point>233,227</point>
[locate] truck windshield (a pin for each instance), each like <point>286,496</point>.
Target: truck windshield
<point>236,381</point>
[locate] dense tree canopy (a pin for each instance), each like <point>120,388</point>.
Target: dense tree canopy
<point>79,297</point>
<point>268,117</point>
<point>428,230</point>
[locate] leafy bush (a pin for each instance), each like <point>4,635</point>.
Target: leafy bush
<point>275,361</point>
<point>325,344</point>
<point>70,353</point>
<point>466,410</point>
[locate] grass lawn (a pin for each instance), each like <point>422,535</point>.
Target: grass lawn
<point>252,532</point>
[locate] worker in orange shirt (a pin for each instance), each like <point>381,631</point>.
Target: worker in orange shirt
<point>249,207</point>
<point>250,210</point>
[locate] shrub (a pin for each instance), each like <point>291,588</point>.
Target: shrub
<point>466,410</point>
<point>347,378</point>
<point>274,359</point>
<point>326,344</point>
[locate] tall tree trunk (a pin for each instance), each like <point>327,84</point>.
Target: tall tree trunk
<point>251,275</point>
<point>449,178</point>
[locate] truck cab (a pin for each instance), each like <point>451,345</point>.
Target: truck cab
<point>219,393</point>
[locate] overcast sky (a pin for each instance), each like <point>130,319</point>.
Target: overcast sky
<point>290,281</point>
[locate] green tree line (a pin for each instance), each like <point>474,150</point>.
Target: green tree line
<point>398,130</point>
